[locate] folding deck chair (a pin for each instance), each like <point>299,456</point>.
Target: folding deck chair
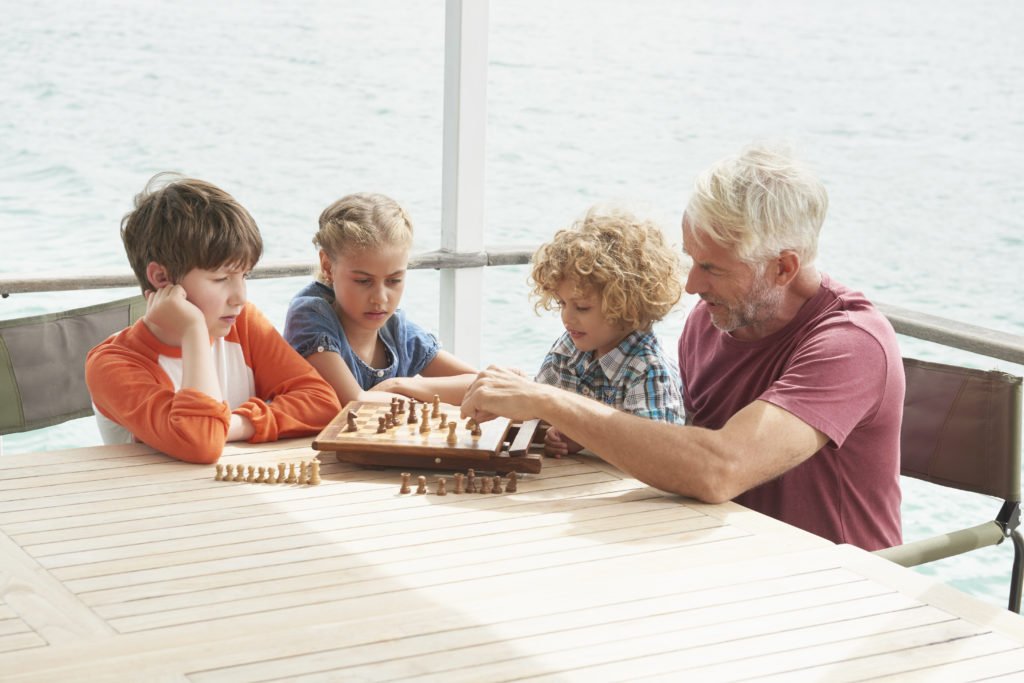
<point>962,429</point>
<point>42,362</point>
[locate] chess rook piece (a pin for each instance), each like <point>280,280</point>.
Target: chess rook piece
<point>280,472</point>
<point>250,473</point>
<point>441,490</point>
<point>239,474</point>
<point>437,406</point>
<point>512,479</point>
<point>314,476</point>
<point>452,436</point>
<point>421,484</point>
<point>352,425</point>
<point>496,488</point>
<point>401,406</point>
<point>291,473</point>
<point>382,423</point>
<point>460,484</point>
<point>220,473</point>
<point>405,483</point>
<point>488,484</point>
<point>443,424</point>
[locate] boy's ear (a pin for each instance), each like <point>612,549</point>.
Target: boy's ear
<point>157,275</point>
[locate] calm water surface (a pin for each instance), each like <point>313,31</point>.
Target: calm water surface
<point>912,112</point>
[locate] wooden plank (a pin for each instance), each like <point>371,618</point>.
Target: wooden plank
<point>42,603</point>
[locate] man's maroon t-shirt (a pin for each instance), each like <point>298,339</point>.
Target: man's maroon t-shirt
<point>837,367</point>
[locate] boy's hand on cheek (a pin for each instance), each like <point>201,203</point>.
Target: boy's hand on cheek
<point>169,314</point>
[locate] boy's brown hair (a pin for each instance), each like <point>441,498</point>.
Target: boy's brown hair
<point>622,259</point>
<point>183,223</point>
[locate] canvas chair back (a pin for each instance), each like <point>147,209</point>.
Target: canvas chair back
<point>42,362</point>
<point>962,429</point>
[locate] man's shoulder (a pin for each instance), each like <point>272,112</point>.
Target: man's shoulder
<point>849,309</point>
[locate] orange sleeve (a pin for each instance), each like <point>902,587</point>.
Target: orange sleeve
<point>291,397</point>
<point>129,387</point>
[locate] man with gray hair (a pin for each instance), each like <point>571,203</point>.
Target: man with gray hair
<point>793,383</point>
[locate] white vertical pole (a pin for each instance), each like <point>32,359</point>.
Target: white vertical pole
<point>462,177</point>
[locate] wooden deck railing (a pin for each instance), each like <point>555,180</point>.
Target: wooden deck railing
<point>952,333</point>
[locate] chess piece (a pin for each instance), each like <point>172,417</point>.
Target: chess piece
<point>488,485</point>
<point>389,421</point>
<point>271,475</point>
<point>437,406</point>
<point>470,423</point>
<point>421,484</point>
<point>239,475</point>
<point>425,422</point>
<point>496,488</point>
<point>314,476</point>
<point>263,475</point>
<point>251,473</point>
<point>452,437</point>
<point>382,425</point>
<point>460,484</point>
<point>477,432</point>
<point>470,479</point>
<point>291,473</point>
<point>353,426</point>
<point>405,483</point>
<point>302,473</point>
<point>220,473</point>
<point>412,413</point>
<point>401,406</point>
<point>512,479</point>
<point>280,472</point>
<point>441,490</point>
<point>443,424</point>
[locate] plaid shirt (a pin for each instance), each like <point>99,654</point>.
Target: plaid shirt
<point>634,377</point>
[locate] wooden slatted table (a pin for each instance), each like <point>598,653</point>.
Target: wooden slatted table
<point>119,563</point>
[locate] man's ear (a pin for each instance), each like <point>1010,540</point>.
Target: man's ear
<point>787,266</point>
<point>157,275</point>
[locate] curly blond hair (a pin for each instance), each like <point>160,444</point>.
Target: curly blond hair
<point>623,259</point>
<point>365,220</point>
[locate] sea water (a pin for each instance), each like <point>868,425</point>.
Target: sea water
<point>911,112</point>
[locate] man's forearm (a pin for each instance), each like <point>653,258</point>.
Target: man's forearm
<point>669,457</point>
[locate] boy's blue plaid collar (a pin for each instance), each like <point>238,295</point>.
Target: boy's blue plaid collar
<point>612,363</point>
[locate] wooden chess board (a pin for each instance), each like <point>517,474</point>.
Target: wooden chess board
<point>502,445</point>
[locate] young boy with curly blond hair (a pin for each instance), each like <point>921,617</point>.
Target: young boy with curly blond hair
<point>612,276</point>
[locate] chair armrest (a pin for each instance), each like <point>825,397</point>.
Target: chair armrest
<point>944,545</point>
